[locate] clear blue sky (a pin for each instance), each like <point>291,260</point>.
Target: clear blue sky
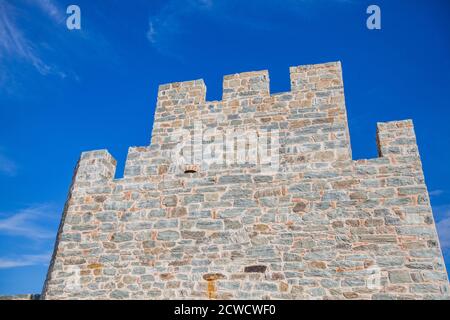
<point>63,92</point>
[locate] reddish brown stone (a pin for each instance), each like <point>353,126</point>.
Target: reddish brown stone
<point>213,276</point>
<point>178,212</point>
<point>166,276</point>
<point>350,295</point>
<point>299,207</point>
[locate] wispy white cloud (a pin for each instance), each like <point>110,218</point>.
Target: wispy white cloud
<point>442,217</point>
<point>206,3</point>
<point>7,166</point>
<point>13,42</point>
<point>31,222</point>
<point>175,17</point>
<point>36,223</point>
<point>443,227</point>
<point>436,193</point>
<point>51,9</point>
<point>33,35</point>
<point>24,260</point>
<point>167,22</point>
<point>151,32</point>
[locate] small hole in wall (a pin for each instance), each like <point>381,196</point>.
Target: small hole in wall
<point>190,168</point>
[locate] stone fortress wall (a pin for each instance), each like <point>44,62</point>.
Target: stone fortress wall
<point>318,226</point>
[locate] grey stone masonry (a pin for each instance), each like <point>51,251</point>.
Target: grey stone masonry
<point>318,225</point>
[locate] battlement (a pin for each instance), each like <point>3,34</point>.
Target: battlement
<point>187,92</point>
<point>255,83</point>
<point>316,225</point>
<point>316,99</point>
<point>396,138</point>
<point>246,84</point>
<point>316,77</point>
<point>189,97</point>
<point>315,105</point>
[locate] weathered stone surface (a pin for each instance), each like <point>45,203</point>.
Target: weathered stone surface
<point>122,236</point>
<point>193,234</point>
<point>316,224</point>
<point>119,294</point>
<point>210,225</point>
<point>169,235</point>
<point>399,277</point>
